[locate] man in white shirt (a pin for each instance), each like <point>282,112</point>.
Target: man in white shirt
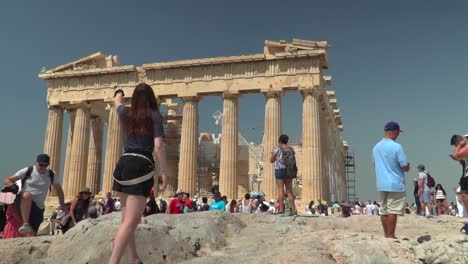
<point>369,208</point>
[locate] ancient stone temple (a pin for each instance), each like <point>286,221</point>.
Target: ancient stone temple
<point>84,89</point>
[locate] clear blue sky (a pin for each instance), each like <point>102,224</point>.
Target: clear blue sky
<point>400,60</point>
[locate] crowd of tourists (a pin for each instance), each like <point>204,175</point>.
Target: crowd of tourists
<point>133,181</point>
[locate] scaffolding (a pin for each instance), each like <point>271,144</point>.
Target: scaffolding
<point>350,169</point>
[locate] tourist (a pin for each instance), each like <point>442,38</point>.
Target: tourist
<point>424,191</point>
<point>79,206</point>
<point>110,204</point>
<point>225,200</point>
<point>177,204</point>
<point>13,223</point>
<point>151,205</point>
<point>194,203</point>
<point>375,208</point>
<point>284,160</point>
<point>416,197</point>
<point>204,206</point>
<point>369,208</point>
<point>117,204</point>
<point>460,153</point>
<point>217,204</point>
<point>142,131</point>
<point>357,208</point>
<point>101,207</point>
<point>36,182</point>
<point>162,205</point>
<point>311,208</point>
<point>188,202</point>
<point>440,198</point>
<point>336,208</point>
<point>390,164</point>
<point>245,206</point>
<point>233,206</point>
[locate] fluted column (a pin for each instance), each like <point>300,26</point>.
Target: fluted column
<point>114,147</point>
<point>53,140</point>
<point>229,143</point>
<point>172,150</point>
<point>93,176</point>
<point>324,154</point>
<point>312,175</point>
<point>272,132</point>
<point>79,152</point>
<point>66,170</point>
<point>189,146</point>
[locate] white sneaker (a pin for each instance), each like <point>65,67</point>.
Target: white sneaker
<point>25,229</point>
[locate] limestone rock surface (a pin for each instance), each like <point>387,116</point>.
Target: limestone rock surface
<point>218,237</point>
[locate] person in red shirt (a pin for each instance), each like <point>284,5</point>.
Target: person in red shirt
<point>188,201</point>
<point>176,206</point>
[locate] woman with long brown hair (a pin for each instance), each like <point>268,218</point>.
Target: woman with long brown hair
<point>142,132</point>
<point>80,205</point>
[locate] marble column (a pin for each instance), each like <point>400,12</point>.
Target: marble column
<point>66,182</point>
<point>79,152</point>
<point>189,146</point>
<point>324,154</point>
<point>229,145</point>
<point>172,150</point>
<point>114,148</point>
<point>93,176</point>
<point>312,175</point>
<point>271,135</point>
<point>53,140</point>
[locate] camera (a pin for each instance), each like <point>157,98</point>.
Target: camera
<point>11,189</point>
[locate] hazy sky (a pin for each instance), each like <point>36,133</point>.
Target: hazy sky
<point>401,60</point>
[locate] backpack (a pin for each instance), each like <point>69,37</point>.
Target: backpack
<point>289,160</point>
<point>430,180</point>
<point>28,175</point>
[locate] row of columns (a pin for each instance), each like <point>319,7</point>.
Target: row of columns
<point>84,149</point>
<point>83,158</point>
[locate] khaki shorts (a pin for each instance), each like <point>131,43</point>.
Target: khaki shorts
<point>393,203</point>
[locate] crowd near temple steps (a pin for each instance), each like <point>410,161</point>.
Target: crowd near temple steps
<point>156,161</point>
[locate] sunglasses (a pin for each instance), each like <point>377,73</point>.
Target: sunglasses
<point>43,165</point>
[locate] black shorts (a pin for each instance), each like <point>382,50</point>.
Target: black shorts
<point>36,216</point>
<point>464,185</point>
<point>131,167</point>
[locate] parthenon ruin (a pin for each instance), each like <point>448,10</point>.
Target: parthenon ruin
<point>84,89</point>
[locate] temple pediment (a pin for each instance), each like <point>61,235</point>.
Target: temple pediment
<point>96,60</point>
<point>274,49</point>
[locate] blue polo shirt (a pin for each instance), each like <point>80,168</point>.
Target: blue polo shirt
<point>389,158</point>
<point>217,206</point>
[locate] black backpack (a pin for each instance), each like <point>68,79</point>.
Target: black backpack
<point>28,175</point>
<point>289,159</point>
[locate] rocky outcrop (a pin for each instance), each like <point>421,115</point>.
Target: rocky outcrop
<point>217,237</point>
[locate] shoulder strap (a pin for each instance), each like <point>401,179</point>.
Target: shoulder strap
<point>51,176</point>
<point>27,176</point>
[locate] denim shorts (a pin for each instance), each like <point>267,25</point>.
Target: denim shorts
<point>425,197</point>
<point>280,174</point>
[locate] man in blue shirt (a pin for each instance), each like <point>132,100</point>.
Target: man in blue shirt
<point>217,204</point>
<point>390,166</point>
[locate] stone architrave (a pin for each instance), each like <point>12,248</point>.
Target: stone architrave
<point>93,176</point>
<point>312,175</point>
<point>272,133</point>
<point>114,148</point>
<point>229,146</point>
<point>189,146</point>
<point>53,140</point>
<point>66,170</point>
<point>79,152</point>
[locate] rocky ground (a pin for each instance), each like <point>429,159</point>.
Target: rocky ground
<point>217,237</point>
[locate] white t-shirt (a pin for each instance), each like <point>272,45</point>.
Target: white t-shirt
<point>369,209</point>
<point>440,194</point>
<point>423,175</point>
<point>357,209</point>
<point>38,185</point>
